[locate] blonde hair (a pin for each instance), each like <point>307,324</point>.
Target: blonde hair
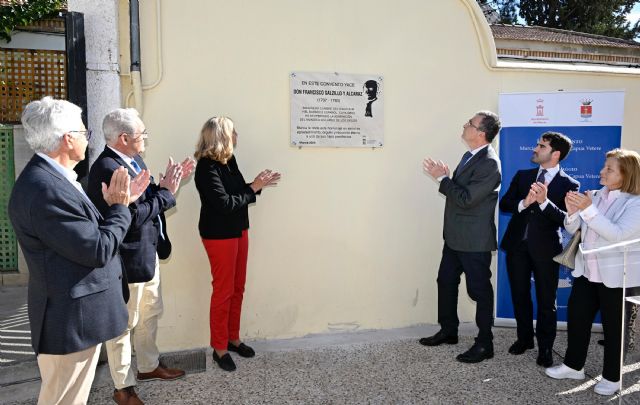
<point>216,140</point>
<point>629,163</point>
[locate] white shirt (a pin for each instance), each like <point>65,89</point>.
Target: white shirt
<point>68,174</point>
<point>124,157</point>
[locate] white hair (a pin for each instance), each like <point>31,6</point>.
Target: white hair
<point>46,120</point>
<point>118,121</point>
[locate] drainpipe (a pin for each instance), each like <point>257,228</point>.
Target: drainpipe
<point>134,46</point>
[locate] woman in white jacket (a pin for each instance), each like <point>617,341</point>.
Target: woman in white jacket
<point>606,216</point>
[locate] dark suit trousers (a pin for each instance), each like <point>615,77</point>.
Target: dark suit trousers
<point>584,302</point>
<point>520,266</point>
<point>476,268</point>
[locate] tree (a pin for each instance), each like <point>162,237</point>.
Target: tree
<point>500,11</point>
<point>602,17</point>
<point>24,13</point>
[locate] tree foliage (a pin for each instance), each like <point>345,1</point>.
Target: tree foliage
<point>602,17</point>
<point>506,10</point>
<point>25,13</point>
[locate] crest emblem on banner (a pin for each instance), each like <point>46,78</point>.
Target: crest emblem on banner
<point>586,109</point>
<point>539,108</point>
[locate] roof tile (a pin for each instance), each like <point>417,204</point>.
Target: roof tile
<point>544,34</point>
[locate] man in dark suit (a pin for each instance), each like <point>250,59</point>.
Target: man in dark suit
<point>76,297</point>
<point>533,236</point>
<point>145,243</point>
<point>469,235</point>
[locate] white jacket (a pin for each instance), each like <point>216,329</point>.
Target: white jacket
<point>620,223</point>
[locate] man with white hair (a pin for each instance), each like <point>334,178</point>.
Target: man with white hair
<point>76,297</point>
<point>145,243</point>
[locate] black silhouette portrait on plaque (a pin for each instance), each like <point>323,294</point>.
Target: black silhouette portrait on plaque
<point>371,90</point>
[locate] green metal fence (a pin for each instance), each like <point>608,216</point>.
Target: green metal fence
<point>8,245</point>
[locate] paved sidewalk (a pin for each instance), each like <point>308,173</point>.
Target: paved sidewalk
<point>15,338</point>
<point>369,367</point>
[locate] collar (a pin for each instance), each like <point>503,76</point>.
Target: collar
<point>476,150</point>
<point>608,195</point>
<point>127,159</point>
<point>552,171</point>
<point>68,174</point>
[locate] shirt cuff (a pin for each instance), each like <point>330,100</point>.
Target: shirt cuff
<point>573,217</point>
<point>589,213</point>
<point>441,177</point>
<point>521,206</point>
<point>544,204</point>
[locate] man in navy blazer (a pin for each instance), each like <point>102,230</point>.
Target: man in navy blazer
<point>469,235</point>
<point>145,243</point>
<point>76,298</point>
<point>533,237</point>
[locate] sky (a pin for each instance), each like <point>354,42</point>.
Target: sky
<point>634,15</point>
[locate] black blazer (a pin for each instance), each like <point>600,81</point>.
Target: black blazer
<point>75,298</point>
<point>224,199</point>
<point>472,195</point>
<point>544,238</point>
<point>139,248</point>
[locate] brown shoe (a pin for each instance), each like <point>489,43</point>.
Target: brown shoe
<point>161,373</point>
<point>126,396</point>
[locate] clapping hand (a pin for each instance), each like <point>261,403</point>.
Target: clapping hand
<point>118,191</point>
<point>530,198</point>
<point>265,178</point>
<point>171,177</point>
<point>139,184</point>
<point>435,169</point>
<point>188,164</point>
<point>577,201</point>
<point>540,191</point>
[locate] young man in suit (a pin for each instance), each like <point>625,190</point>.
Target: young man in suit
<point>469,234</point>
<point>533,236</point>
<point>145,242</point>
<point>76,297</point>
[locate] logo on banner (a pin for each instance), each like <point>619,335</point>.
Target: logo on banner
<point>540,117</point>
<point>540,108</point>
<point>586,109</point>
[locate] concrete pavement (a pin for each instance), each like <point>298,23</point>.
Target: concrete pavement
<point>368,367</point>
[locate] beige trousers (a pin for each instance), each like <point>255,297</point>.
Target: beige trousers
<point>67,378</point>
<point>144,306</point>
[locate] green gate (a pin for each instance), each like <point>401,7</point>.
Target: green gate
<point>8,245</point>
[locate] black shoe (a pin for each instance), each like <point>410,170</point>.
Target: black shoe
<point>242,349</point>
<point>225,362</point>
<point>520,347</point>
<point>545,358</point>
<point>601,342</point>
<point>438,339</point>
<point>476,354</point>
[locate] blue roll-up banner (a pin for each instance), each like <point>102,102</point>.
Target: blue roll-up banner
<point>593,121</point>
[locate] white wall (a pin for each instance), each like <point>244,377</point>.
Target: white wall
<point>351,238</point>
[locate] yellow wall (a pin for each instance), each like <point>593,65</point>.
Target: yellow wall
<point>351,238</point>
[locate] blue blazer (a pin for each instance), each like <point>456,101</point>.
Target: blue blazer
<point>139,248</point>
<point>75,273</point>
<point>544,239</point>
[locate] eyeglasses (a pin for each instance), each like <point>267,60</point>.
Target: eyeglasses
<point>469,123</point>
<point>87,133</point>
<point>141,135</point>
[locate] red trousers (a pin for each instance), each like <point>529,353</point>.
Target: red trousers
<point>228,260</point>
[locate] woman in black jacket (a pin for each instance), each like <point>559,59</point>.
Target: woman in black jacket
<point>224,220</point>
